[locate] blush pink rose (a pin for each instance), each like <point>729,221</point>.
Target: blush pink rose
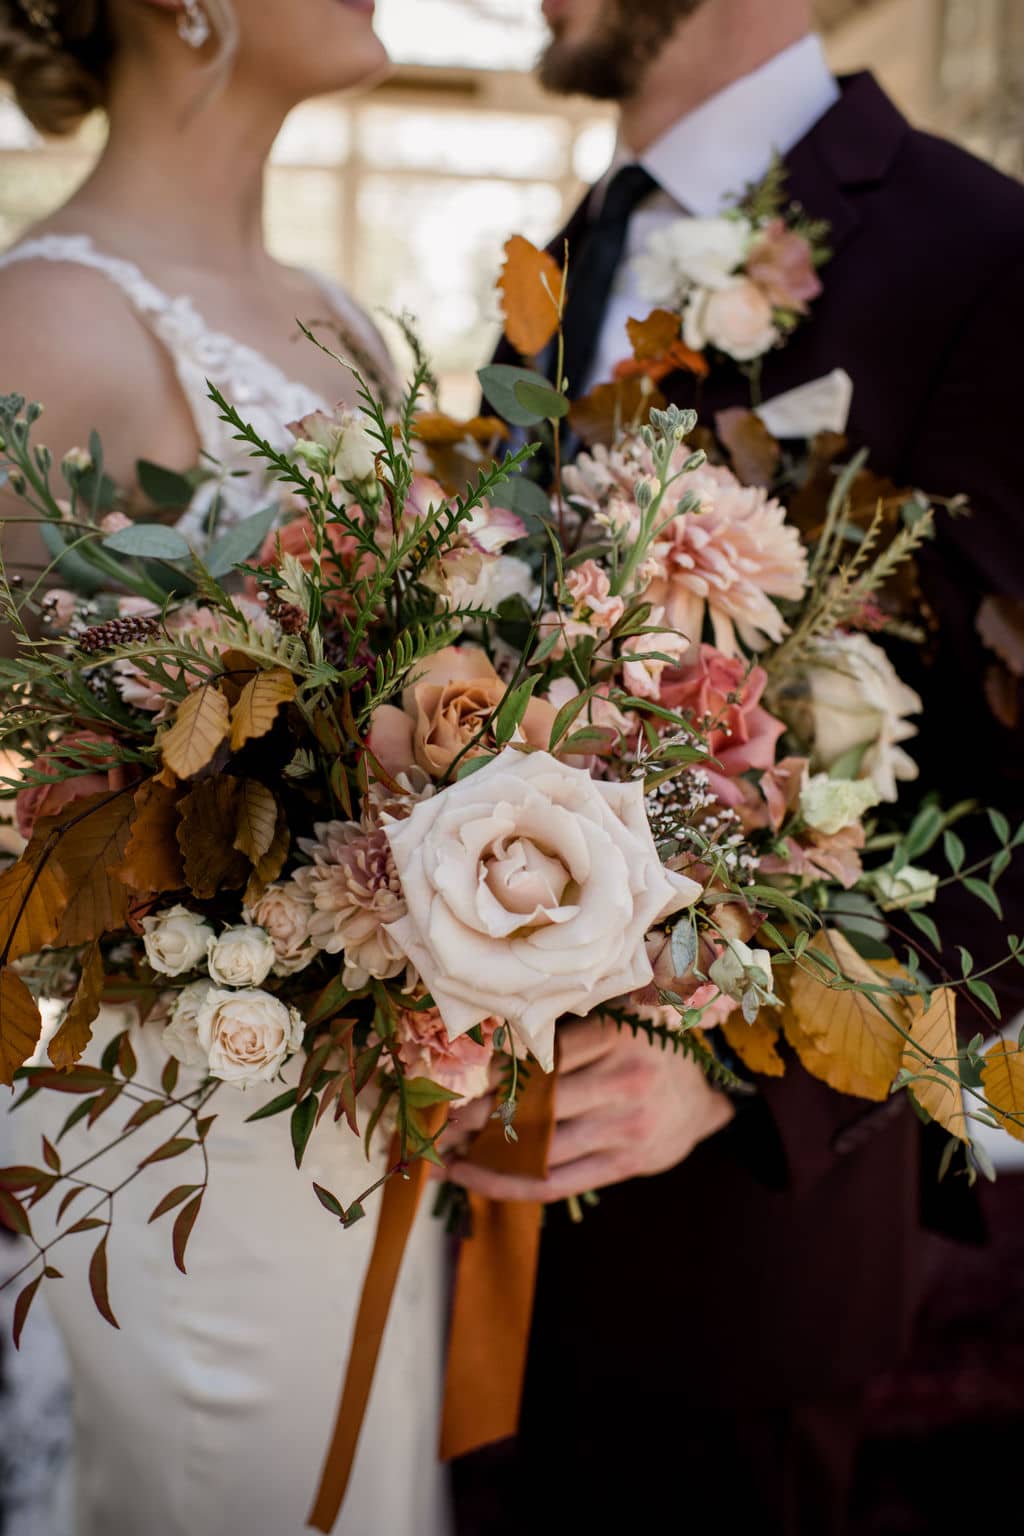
<point>41,800</point>
<point>781,264</point>
<point>424,1049</point>
<point>721,695</point>
<point>736,318</point>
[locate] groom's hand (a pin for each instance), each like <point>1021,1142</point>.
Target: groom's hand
<point>623,1109</point>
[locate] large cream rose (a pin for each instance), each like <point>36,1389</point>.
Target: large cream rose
<point>247,1036</point>
<point>530,888</point>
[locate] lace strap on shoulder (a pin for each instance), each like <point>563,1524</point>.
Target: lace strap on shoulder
<point>79,250</point>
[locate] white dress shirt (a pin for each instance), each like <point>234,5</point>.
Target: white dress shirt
<point>706,160</point>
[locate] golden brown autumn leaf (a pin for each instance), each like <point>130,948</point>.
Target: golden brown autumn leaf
<point>438,430</point>
<point>757,1044</point>
<point>257,819</point>
<point>610,408</point>
<point>658,349</point>
<point>934,1035</point>
<point>206,837</point>
<point>1002,1078</point>
<point>755,454</point>
<point>651,338</point>
<point>31,905</point>
<point>258,704</point>
<point>201,722</point>
<point>270,864</point>
<point>152,858</point>
<point>93,835</point>
<point>530,286</point>
<point>21,1025</point>
<point>840,1036</point>
<point>238,669</point>
<point>1000,624</point>
<point>75,1032</point>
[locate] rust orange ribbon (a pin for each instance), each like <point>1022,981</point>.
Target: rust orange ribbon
<point>493,1302</point>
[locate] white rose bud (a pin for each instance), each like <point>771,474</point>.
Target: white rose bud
<point>181,1037</point>
<point>176,940</point>
<point>240,957</point>
<point>828,805</point>
<point>908,887</point>
<point>247,1036</point>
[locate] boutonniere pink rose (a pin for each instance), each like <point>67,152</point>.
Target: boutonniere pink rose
<point>530,888</point>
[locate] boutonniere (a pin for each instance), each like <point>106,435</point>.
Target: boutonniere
<point>738,284</point>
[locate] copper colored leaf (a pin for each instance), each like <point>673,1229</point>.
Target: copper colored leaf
<point>257,819</point>
<point>1000,624</point>
<point>934,1035</point>
<point>93,835</point>
<point>270,864</point>
<point>206,836</point>
<point>75,1031</point>
<point>152,858</point>
<point>72,1194</point>
<point>1002,691</point>
<point>51,1156</point>
<point>258,704</point>
<point>20,1025</point>
<point>173,1148</point>
<point>175,1197</point>
<point>754,452</point>
<point>145,1112</point>
<point>610,408</point>
<point>651,338</point>
<point>530,286</point>
<point>437,430</point>
<point>757,1044</point>
<point>21,1307</point>
<point>87,1224</point>
<point>1002,1078</point>
<point>31,905</point>
<point>201,722</point>
<point>183,1224</point>
<point>98,1282</point>
<point>839,1035</point>
<point>13,1214</point>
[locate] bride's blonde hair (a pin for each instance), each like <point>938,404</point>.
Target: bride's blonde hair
<point>59,70</point>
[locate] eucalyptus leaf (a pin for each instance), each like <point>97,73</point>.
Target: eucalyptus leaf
<point>683,947</point>
<point>149,541</point>
<point>551,405</point>
<point>163,487</point>
<point>498,382</point>
<point>240,542</point>
<point>524,497</point>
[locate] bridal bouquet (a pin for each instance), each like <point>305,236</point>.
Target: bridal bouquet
<point>397,773</point>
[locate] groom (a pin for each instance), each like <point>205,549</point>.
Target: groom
<point>703,1339</point>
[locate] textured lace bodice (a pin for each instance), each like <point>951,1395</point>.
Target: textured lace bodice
<point>262,393</point>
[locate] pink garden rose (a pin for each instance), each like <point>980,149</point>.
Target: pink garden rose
<point>425,1050</point>
<point>721,694</point>
<point>781,264</point>
<point>40,800</point>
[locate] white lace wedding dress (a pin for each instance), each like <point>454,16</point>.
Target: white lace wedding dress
<point>209,1413</point>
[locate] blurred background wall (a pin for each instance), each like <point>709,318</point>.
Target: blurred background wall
<point>407,194</point>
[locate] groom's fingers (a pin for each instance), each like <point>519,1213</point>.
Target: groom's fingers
<point>576,1178</point>
<point>583,1041</point>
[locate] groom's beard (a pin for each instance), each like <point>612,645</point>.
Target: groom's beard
<point>610,64</point>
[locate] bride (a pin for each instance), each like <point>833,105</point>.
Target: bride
<point>210,1411</point>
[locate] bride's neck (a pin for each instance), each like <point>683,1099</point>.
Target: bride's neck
<point>186,183</point>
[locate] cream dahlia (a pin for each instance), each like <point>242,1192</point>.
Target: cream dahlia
<point>354,887</point>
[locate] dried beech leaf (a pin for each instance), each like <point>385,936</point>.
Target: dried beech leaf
<point>152,859</point>
<point>934,1035</point>
<point>206,834</point>
<point>201,722</point>
<point>21,1025</point>
<point>530,286</point>
<point>1002,691</point>
<point>93,837</point>
<point>757,1044</point>
<point>651,338</point>
<point>239,669</point>
<point>75,1031</point>
<point>257,819</point>
<point>270,864</point>
<point>31,906</point>
<point>840,1036</point>
<point>435,429</point>
<point>1000,624</point>
<point>1002,1078</point>
<point>258,704</point>
<point>755,453</point>
<point>610,408</point>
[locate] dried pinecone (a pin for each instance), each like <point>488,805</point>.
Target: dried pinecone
<point>289,615</point>
<point>116,632</point>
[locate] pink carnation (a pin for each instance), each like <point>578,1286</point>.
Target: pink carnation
<point>425,1050</point>
<point>730,557</point>
<point>40,800</point>
<point>782,264</point>
<point>721,695</point>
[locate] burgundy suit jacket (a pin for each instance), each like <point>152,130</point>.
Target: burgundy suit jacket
<point>781,1260</point>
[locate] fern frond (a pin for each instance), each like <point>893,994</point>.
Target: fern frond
<point>683,1042</point>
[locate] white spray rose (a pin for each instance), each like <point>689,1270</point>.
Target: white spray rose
<point>247,1036</point>
<point>284,912</point>
<point>176,940</point>
<point>691,253</point>
<point>240,957</point>
<point>828,805</point>
<point>181,1037</point>
<point>736,318</point>
<point>336,445</point>
<point>530,888</point>
<point>908,887</point>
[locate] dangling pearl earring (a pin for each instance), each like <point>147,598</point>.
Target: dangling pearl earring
<point>193,24</point>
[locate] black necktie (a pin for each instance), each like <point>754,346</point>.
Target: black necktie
<point>592,268</point>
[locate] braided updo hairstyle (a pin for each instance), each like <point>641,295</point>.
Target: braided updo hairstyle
<point>58,79</point>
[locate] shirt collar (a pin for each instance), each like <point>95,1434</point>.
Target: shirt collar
<point>707,159</point>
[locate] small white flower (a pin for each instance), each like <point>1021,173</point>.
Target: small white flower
<point>907,887</point>
<point>828,805</point>
<point>745,975</point>
<point>240,957</point>
<point>247,1036</point>
<point>691,253</point>
<point>336,445</point>
<point>176,940</point>
<point>180,1037</point>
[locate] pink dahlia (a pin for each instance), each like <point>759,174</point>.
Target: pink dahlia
<point>355,891</point>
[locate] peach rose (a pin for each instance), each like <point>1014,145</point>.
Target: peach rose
<point>40,800</point>
<point>424,1049</point>
<point>453,694</point>
<point>529,889</point>
<point>737,319</point>
<point>721,695</point>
